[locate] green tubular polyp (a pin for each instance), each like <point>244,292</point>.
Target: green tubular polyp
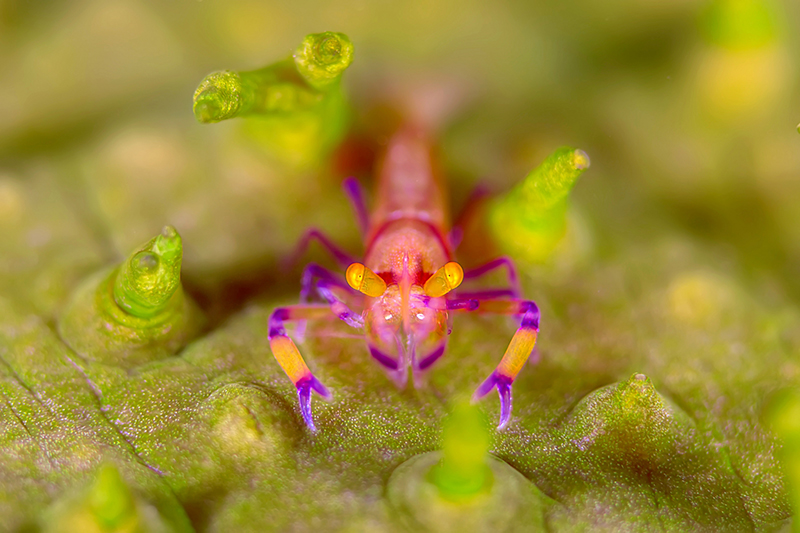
<point>107,504</point>
<point>136,312</point>
<point>463,487</point>
<point>295,84</point>
<point>220,96</point>
<point>322,58</point>
<point>531,218</point>
<point>147,281</point>
<point>110,500</point>
<point>549,183</point>
<point>463,470</point>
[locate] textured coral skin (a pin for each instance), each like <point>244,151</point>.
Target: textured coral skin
<point>660,273</point>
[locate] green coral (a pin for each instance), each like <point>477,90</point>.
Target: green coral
<point>293,85</point>
<point>221,96</point>
<point>107,506</point>
<point>529,221</point>
<point>135,313</point>
<point>205,432</point>
<point>624,446</point>
<point>296,106</point>
<point>149,283</point>
<point>322,58</point>
<point>462,471</point>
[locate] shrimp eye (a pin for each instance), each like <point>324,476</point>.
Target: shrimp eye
<point>364,280</point>
<point>444,280</point>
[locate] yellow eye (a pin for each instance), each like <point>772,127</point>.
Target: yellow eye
<point>444,280</point>
<point>354,275</point>
<point>364,280</point>
<point>454,273</point>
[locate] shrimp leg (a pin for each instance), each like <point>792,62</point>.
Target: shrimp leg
<point>517,353</point>
<point>352,189</point>
<point>326,282</point>
<point>341,257</point>
<point>287,354</point>
<point>511,272</point>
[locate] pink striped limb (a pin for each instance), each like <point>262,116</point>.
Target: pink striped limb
<point>517,353</point>
<point>289,358</point>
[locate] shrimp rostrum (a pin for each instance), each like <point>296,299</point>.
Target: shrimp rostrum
<point>407,284</point>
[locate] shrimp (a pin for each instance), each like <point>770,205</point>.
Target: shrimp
<point>407,284</point>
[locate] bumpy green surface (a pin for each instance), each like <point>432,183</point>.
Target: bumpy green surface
<point>669,312</point>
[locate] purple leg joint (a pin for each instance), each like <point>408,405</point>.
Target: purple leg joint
<point>492,294</point>
<point>276,320</point>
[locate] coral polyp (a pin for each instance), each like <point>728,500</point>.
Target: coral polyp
<point>136,312</point>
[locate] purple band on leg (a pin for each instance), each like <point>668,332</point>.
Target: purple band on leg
<point>314,272</point>
<point>311,273</point>
<point>353,191</point>
<point>304,397</point>
<point>325,281</point>
<point>343,312</point>
<point>276,320</point>
<point>319,388</point>
<point>531,317</point>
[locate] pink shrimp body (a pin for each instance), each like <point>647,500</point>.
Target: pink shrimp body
<point>407,281</point>
<point>406,244</point>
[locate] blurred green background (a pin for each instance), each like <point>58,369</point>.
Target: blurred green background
<point>688,108</point>
<point>683,258</point>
